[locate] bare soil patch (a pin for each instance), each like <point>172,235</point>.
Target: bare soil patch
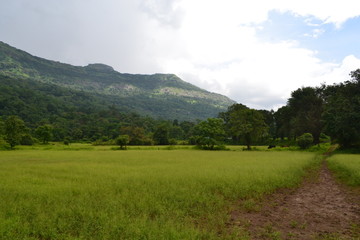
<point>320,208</point>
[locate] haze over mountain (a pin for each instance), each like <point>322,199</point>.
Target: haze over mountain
<point>158,95</point>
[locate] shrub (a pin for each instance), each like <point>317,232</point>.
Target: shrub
<point>147,141</point>
<point>172,141</point>
<point>324,138</point>
<point>27,139</point>
<point>305,140</point>
<point>67,141</point>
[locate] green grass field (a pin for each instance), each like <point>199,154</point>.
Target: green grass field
<point>346,168</point>
<point>102,194</point>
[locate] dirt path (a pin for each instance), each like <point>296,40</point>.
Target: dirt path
<point>320,209</point>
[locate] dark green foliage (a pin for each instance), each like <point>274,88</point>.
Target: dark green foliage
<point>342,112</point>
<point>210,133</point>
<point>161,134</point>
<point>122,141</point>
<point>269,118</point>
<point>283,123</point>
<point>306,107</point>
<point>137,135</point>
<point>305,140</point>
<point>44,133</point>
<point>188,128</point>
<point>207,143</point>
<point>245,123</point>
<point>176,132</point>
<point>67,141</point>
<point>14,128</point>
<point>172,141</point>
<point>324,138</point>
<point>2,127</point>
<point>27,139</point>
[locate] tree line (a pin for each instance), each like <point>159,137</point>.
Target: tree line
<point>311,115</point>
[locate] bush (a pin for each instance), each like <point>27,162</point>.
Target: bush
<point>207,143</point>
<point>100,142</point>
<point>172,141</point>
<point>147,141</point>
<point>324,138</point>
<point>67,141</point>
<point>193,140</point>
<point>3,144</point>
<point>305,140</point>
<point>27,139</point>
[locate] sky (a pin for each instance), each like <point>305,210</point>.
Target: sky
<point>255,52</point>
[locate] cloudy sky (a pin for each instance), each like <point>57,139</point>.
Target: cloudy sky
<point>255,52</point>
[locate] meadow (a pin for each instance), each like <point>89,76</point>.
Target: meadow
<point>96,193</point>
<point>346,168</point>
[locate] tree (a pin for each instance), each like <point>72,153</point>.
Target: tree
<point>306,109</point>
<point>14,127</point>
<point>187,128</point>
<point>283,122</point>
<point>176,132</point>
<point>136,135</point>
<point>269,118</point>
<point>44,133</point>
<point>247,123</point>
<point>210,133</point>
<point>122,141</point>
<point>2,127</point>
<point>342,111</point>
<point>161,135</point>
<point>77,134</point>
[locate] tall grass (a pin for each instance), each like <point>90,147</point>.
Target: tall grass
<point>346,168</point>
<point>136,194</point>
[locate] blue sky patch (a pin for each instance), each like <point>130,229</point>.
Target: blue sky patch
<point>331,44</point>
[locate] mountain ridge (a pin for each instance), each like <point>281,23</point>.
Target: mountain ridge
<point>157,95</point>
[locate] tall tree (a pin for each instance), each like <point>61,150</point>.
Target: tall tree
<point>283,122</point>
<point>136,134</point>
<point>248,124</point>
<point>14,127</point>
<point>176,132</point>
<point>269,118</point>
<point>226,116</point>
<point>211,133</point>
<point>342,111</point>
<point>161,134</point>
<point>2,127</point>
<point>44,133</point>
<point>306,107</point>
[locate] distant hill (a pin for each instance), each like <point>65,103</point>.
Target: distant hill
<point>99,86</point>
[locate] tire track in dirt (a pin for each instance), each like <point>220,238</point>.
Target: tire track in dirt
<point>320,208</point>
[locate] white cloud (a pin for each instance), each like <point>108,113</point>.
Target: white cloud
<point>315,33</point>
<point>224,54</point>
<point>211,43</point>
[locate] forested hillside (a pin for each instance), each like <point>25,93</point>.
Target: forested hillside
<point>160,95</point>
<point>42,100</point>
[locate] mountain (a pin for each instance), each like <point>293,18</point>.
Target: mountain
<point>159,95</point>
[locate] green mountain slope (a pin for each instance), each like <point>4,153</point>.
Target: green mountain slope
<point>159,95</point>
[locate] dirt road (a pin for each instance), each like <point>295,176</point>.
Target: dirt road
<point>320,209</point>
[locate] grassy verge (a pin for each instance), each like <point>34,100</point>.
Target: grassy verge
<point>346,167</point>
<point>136,194</point>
